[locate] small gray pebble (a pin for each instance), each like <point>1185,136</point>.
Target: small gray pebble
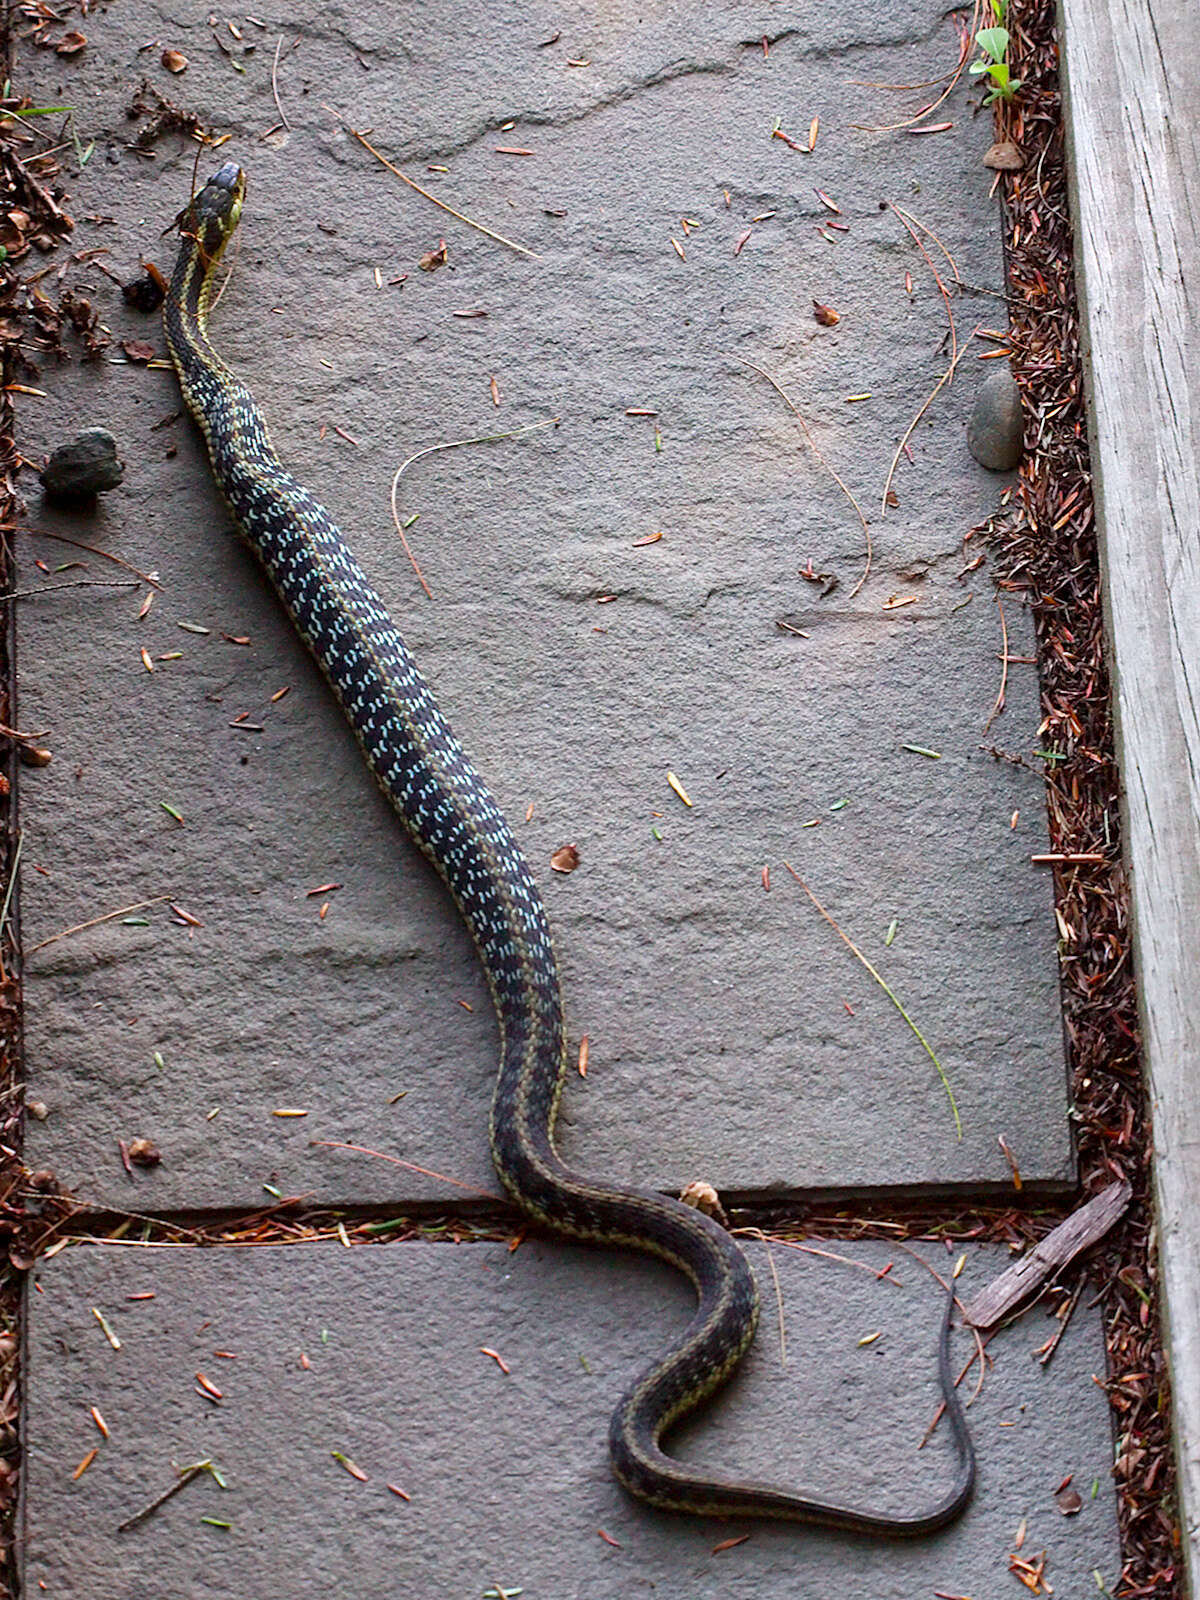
<point>996,430</point>
<point>87,466</point>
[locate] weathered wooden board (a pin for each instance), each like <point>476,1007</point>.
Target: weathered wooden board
<point>1132,87</point>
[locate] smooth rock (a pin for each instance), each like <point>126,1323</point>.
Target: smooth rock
<point>995,433</point>
<point>88,465</point>
<point>1004,157</point>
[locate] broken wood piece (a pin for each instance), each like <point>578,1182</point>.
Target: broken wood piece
<point>1082,1228</point>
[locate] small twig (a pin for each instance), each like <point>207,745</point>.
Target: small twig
<point>924,1043</point>
<point>75,583</point>
<point>964,51</point>
<point>431,449</point>
<point>237,250</point>
<point>999,706</point>
<point>911,429</point>
<point>44,533</point>
<point>829,1255</point>
<point>441,204</point>
<point>790,403</point>
<point>275,83</point>
<point>1076,858</point>
<point>148,1511</point>
<point>95,922</point>
<point>925,228</point>
<point>757,1233</point>
<point>424,1172</point>
<point>1046,1355</point>
<point>945,293</point>
<point>8,894</point>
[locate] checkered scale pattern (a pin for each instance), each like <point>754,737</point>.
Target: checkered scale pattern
<point>449,812</point>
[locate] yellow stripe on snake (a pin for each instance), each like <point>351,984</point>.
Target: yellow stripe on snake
<point>451,816</point>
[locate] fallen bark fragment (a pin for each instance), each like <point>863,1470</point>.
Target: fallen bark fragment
<point>1082,1228</point>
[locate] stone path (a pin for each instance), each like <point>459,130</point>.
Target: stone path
<point>676,964</point>
<point>507,1472</point>
<point>842,727</point>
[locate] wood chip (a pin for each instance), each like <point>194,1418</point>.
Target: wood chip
<point>1081,1229</point>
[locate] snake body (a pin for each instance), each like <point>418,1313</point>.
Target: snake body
<point>448,811</point>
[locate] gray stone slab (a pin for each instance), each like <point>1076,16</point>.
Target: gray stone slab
<point>732,1036</point>
<point>508,1474</point>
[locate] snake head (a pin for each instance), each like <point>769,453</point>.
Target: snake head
<point>211,216</point>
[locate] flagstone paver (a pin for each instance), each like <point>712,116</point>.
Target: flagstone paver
<point>733,1037</point>
<point>507,1472</point>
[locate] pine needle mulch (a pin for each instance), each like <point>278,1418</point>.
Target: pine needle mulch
<point>1047,551</point>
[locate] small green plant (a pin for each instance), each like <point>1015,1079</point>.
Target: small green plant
<point>994,44</point>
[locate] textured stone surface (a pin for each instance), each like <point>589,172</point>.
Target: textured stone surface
<point>508,1474</point>
<point>733,1037</point>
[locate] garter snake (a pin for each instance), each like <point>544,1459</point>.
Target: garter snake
<point>451,816</point>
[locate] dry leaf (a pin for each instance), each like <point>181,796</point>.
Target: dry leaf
<point>565,858</point>
<point>433,259</point>
<point>703,1197</point>
<point>1069,1501</point>
<point>70,44</point>
<point>144,1152</point>
<point>138,351</point>
<point>825,315</point>
<point>174,60</point>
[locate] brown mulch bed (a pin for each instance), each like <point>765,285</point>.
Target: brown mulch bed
<point>1044,550</point>
<point>1048,552</point>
